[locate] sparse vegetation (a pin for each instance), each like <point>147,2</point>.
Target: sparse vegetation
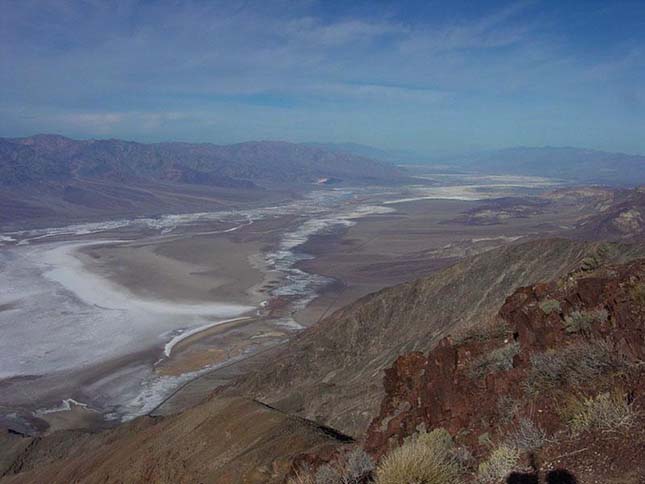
<point>637,293</point>
<point>550,305</point>
<point>590,263</point>
<point>353,467</point>
<point>500,359</point>
<point>583,321</point>
<point>426,458</point>
<point>507,408</point>
<point>482,332</point>
<point>527,436</point>
<point>605,250</point>
<point>572,365</point>
<point>606,412</point>
<point>302,475</point>
<point>327,474</point>
<point>501,462</point>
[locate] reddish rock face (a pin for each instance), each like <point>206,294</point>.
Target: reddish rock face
<point>443,390</point>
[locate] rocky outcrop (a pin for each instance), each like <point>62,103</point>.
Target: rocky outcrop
<point>583,334</point>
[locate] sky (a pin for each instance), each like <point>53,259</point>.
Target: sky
<point>426,76</point>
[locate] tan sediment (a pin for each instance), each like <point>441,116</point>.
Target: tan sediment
<point>219,344</point>
<point>77,417</point>
<point>191,268</point>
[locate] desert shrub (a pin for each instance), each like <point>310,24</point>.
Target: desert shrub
<point>463,457</point>
<point>572,365</point>
<point>583,321</point>
<point>302,475</point>
<point>637,293</point>
<point>605,412</point>
<point>351,468</point>
<point>606,250</point>
<point>485,439</point>
<point>500,359</point>
<point>590,263</point>
<point>328,474</point>
<point>499,464</point>
<point>426,458</point>
<point>357,465</point>
<point>507,408</point>
<point>527,436</point>
<point>550,305</point>
<point>483,332</point>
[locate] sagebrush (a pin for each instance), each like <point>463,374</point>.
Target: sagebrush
<point>550,305</point>
<point>527,436</point>
<point>574,365</point>
<point>483,332</point>
<point>584,321</point>
<point>500,359</point>
<point>607,411</point>
<point>501,462</point>
<point>353,467</point>
<point>426,458</point>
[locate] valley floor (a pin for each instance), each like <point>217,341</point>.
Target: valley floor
<point>195,296</point>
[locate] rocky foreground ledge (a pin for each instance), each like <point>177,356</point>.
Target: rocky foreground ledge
<point>556,382</point>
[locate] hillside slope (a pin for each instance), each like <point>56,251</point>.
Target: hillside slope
<point>557,379</point>
<point>623,218</point>
<point>331,372</point>
<point>222,440</point>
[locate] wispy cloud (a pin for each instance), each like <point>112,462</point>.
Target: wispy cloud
<point>157,68</point>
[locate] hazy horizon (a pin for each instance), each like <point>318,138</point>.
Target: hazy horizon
<point>420,76</point>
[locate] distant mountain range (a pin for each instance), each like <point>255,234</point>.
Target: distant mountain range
<point>51,157</point>
<point>390,156</point>
<point>47,177</point>
<point>573,164</point>
<point>568,163</point>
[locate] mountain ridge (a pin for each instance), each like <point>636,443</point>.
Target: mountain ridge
<point>45,178</point>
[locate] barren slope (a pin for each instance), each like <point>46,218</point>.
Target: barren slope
<point>220,441</point>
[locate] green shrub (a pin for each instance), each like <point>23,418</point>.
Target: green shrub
<point>499,464</point>
<point>583,321</point>
<point>606,411</point>
<point>549,305</point>
<point>426,458</point>
<point>572,365</point>
<point>500,359</point>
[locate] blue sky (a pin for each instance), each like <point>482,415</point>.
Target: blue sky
<point>429,76</point>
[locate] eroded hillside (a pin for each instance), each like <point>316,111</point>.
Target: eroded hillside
<point>332,372</point>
